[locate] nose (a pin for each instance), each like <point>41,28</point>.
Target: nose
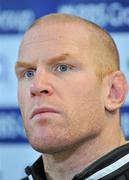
<point>40,86</point>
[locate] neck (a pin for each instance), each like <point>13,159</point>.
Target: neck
<point>64,165</point>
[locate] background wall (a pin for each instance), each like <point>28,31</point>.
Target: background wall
<point>15,17</point>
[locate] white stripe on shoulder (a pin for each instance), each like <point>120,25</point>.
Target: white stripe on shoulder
<point>30,177</point>
<point>109,169</point>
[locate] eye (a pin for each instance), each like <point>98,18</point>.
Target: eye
<point>29,73</point>
<point>63,67</point>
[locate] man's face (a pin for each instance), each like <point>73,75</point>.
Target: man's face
<point>59,93</point>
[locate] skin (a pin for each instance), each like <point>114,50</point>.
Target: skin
<point>88,109</point>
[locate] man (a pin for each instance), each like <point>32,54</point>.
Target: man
<point>70,90</point>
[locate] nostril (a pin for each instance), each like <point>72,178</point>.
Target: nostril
<point>41,89</point>
<point>45,91</point>
<point>33,94</point>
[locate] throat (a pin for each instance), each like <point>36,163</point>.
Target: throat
<point>67,168</point>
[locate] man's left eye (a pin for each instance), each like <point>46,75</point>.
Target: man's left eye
<point>63,67</point>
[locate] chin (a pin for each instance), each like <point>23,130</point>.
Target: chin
<point>49,145</point>
<point>43,141</point>
<point>48,148</point>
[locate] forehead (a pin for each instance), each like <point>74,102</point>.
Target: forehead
<point>51,39</point>
<point>59,31</point>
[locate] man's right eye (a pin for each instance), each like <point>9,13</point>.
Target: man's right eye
<point>29,73</point>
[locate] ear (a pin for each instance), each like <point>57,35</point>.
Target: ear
<point>116,91</point>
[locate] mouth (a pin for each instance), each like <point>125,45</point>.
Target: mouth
<point>43,111</point>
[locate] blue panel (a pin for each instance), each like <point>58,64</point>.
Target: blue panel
<point>125,121</point>
<point>15,17</point>
<point>11,129</point>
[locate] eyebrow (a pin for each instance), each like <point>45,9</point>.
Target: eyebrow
<point>60,57</point>
<point>23,64</point>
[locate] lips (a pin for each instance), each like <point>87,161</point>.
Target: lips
<point>43,110</point>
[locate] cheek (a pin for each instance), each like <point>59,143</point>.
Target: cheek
<point>21,94</point>
<point>85,118</point>
<point>23,91</point>
<point>23,98</point>
<point>84,93</point>
<point>84,105</point>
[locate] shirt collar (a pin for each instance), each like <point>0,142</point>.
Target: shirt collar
<point>103,167</point>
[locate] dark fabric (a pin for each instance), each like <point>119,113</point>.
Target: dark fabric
<point>38,173</point>
<point>36,170</point>
<point>26,178</point>
<point>105,161</point>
